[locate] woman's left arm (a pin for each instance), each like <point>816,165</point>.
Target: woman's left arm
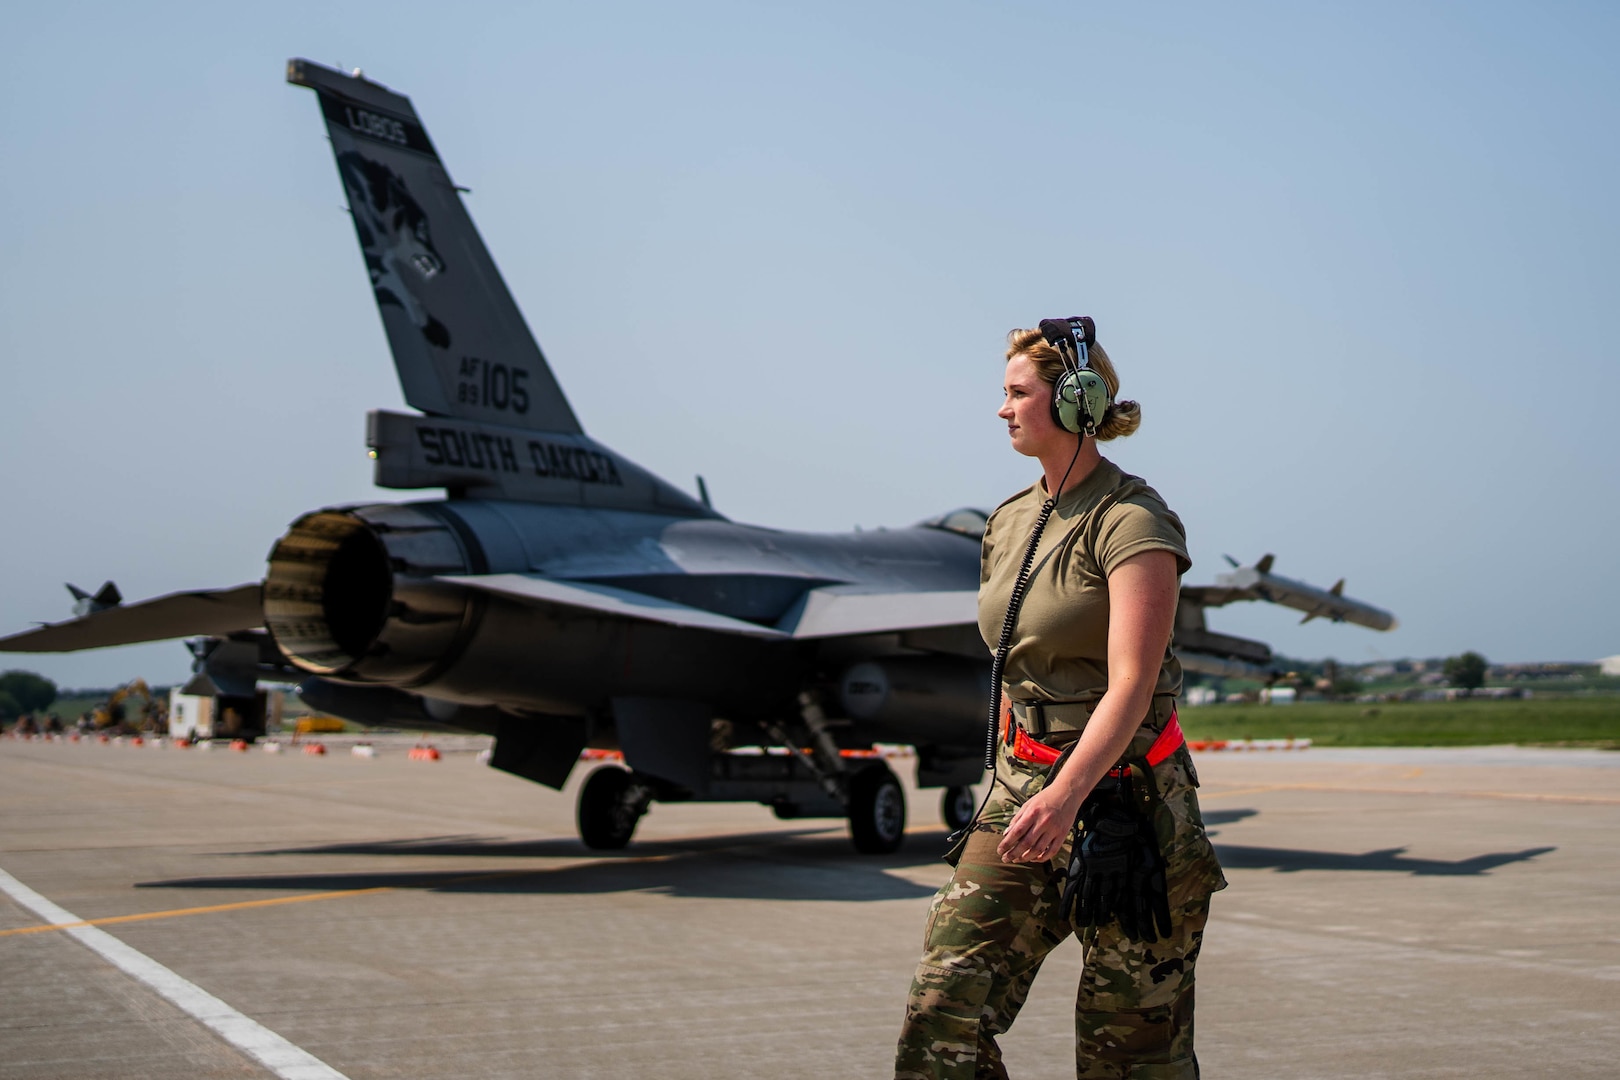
<point>1142,598</point>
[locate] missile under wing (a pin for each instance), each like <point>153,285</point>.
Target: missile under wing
<point>1257,582</point>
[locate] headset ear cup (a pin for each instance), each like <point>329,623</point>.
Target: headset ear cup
<point>1092,394</point>
<point>1065,403</point>
<point>1078,396</point>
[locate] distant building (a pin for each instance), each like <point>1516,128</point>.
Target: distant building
<point>1609,665</point>
<point>191,708</point>
<point>1277,695</point>
<point>1555,669</point>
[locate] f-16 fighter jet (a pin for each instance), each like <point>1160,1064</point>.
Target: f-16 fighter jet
<point>560,596</point>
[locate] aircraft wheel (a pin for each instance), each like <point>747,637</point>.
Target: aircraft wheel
<point>956,806</point>
<point>608,810</point>
<point>877,811</point>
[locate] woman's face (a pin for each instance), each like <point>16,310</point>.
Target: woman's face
<point>1028,411</point>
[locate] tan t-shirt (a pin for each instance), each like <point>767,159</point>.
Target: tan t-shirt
<point>1060,641</point>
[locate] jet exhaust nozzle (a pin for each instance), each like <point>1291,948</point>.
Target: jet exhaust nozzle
<point>350,594</point>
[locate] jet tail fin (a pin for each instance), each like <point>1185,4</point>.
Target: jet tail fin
<point>459,341</point>
<point>83,603</point>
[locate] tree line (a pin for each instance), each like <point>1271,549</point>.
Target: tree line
<point>23,692</point>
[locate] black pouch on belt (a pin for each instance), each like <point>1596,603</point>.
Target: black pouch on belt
<point>1116,871</point>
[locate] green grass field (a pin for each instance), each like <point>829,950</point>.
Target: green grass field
<point>1584,721</point>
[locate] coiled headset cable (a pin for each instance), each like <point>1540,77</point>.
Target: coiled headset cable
<point>1004,644</point>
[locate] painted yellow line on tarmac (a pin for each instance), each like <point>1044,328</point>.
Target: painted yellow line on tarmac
<point>175,913</point>
<point>1525,796</point>
<point>243,905</point>
<point>1206,793</point>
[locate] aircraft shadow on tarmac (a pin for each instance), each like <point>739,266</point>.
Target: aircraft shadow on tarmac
<point>1226,817</point>
<point>1292,860</point>
<point>805,864</point>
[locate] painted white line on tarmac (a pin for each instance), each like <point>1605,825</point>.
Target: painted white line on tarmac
<point>266,1047</point>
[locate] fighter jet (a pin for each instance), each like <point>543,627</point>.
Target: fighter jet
<point>560,596</point>
<point>1203,651</point>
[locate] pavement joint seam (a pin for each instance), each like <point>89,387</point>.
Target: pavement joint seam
<point>1523,796</point>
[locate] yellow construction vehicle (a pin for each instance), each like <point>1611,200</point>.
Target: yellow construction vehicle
<point>112,712</point>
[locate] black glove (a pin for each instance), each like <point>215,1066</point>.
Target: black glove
<point>1115,870</point>
<point>1148,901</point>
<point>1100,867</point>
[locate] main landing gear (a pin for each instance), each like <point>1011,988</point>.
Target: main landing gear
<point>957,806</point>
<point>794,779</point>
<point>613,800</point>
<point>877,811</point>
<point>611,803</point>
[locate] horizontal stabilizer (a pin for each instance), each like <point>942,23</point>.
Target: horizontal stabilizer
<point>837,611</point>
<point>184,614</point>
<point>607,600</point>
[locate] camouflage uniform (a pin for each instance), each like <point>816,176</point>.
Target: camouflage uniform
<point>993,924</point>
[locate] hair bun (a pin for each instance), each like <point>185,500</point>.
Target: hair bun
<point>1120,419</point>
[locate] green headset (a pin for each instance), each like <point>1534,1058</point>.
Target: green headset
<point>1080,398</point>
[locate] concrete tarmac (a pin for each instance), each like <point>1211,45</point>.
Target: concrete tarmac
<point>1399,913</point>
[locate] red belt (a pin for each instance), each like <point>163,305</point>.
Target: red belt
<point>1026,748</point>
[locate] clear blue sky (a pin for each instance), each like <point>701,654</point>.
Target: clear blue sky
<point>1358,263</point>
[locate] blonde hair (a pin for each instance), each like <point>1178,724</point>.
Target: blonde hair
<point>1122,417</point>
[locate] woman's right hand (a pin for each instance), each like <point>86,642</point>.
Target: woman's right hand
<point>1039,827</point>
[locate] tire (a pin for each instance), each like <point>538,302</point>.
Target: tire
<point>957,807</point>
<point>606,816</point>
<point>877,811</point>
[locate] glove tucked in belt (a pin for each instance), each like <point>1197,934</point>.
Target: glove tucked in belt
<point>1116,871</point>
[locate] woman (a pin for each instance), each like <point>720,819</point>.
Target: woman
<point>1089,671</point>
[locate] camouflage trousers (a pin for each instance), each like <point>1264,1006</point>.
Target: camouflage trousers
<point>993,924</point>
<point>990,928</point>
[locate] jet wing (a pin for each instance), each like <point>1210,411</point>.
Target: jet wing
<point>607,600</point>
<point>840,611</point>
<point>833,611</point>
<point>210,612</point>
